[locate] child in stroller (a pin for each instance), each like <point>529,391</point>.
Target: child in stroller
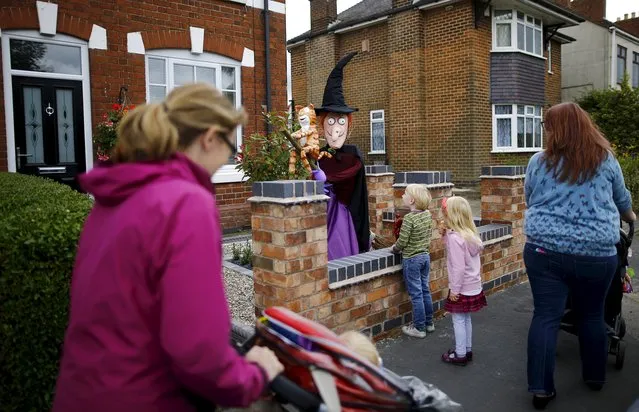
<point>616,325</point>
<point>323,374</point>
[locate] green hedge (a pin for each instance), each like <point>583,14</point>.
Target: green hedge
<point>40,222</point>
<point>630,167</point>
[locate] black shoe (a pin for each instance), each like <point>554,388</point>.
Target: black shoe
<point>541,401</point>
<point>595,386</point>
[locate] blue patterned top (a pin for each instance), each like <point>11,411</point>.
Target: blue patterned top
<point>576,219</point>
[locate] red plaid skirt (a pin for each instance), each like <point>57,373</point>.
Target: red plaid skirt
<point>466,304</point>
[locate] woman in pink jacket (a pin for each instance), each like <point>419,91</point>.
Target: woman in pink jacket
<point>463,249</point>
<point>149,326</point>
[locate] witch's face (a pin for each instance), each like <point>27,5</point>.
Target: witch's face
<point>335,129</point>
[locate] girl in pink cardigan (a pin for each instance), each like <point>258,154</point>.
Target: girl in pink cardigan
<point>463,248</point>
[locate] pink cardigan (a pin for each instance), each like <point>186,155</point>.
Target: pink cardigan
<point>463,263</point>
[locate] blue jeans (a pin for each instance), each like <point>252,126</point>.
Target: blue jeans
<point>416,276</point>
<point>553,277</point>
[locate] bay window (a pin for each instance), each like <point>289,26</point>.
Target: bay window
<point>517,127</point>
<point>517,31</point>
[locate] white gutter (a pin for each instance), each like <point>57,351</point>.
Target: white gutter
<point>298,43</point>
<point>613,57</point>
<point>433,5</point>
<point>361,25</point>
<point>547,10</point>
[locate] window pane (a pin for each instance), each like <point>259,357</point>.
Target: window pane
<point>228,78</point>
<point>521,36</point>
<point>182,74</point>
<point>520,132</point>
<point>520,109</point>
<point>529,132</point>
<point>520,16</point>
<point>538,22</point>
<point>530,110</point>
<point>231,97</point>
<point>621,69</point>
<point>538,42</point>
<point>156,93</point>
<point>503,109</point>
<point>537,132</point>
<point>205,74</point>
<point>377,115</point>
<point>529,39</point>
<point>504,132</point>
<point>530,19</point>
<point>501,15</point>
<point>635,75</point>
<point>537,110</point>
<point>503,35</point>
<point>378,138</point>
<point>45,57</point>
<point>157,71</point>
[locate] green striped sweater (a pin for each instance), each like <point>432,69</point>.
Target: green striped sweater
<point>415,234</point>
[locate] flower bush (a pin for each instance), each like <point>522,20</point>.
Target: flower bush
<point>265,157</point>
<point>106,131</point>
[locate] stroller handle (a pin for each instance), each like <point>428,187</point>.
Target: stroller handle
<point>631,231</point>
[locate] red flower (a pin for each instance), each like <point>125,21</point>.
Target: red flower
<point>116,106</point>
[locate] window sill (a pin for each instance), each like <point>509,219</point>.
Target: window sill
<point>377,152</point>
<point>504,50</point>
<point>515,150</point>
<point>228,174</point>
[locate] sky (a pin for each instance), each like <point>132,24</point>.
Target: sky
<point>298,17</point>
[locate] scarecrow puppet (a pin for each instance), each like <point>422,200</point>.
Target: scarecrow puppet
<point>345,178</point>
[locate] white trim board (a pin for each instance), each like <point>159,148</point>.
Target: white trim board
<point>8,88</point>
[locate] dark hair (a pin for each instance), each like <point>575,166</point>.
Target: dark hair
<point>575,146</point>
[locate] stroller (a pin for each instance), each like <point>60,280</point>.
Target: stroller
<point>321,374</point>
<point>615,323</point>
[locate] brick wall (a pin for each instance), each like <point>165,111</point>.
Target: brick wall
<point>229,27</point>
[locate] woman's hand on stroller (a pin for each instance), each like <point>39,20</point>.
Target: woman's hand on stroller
<point>629,216</point>
<point>266,359</point>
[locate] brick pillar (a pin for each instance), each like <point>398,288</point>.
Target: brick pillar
<point>439,185</point>
<point>288,219</point>
<point>379,180</point>
<point>323,12</point>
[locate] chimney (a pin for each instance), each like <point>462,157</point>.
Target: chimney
<point>625,16</point>
<point>593,10</point>
<point>323,12</point>
<point>634,14</point>
<point>630,25</point>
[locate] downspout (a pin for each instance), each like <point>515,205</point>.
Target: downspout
<point>613,57</point>
<point>267,57</point>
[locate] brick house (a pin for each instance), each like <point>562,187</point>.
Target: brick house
<point>440,84</point>
<point>603,53</point>
<point>64,65</point>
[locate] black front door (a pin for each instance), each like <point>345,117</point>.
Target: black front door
<point>49,128</point>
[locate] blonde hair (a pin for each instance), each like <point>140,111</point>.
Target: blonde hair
<point>459,218</point>
<point>421,195</point>
<point>156,131</point>
<point>360,344</point>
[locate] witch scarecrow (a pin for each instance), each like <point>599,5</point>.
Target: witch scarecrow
<point>343,172</point>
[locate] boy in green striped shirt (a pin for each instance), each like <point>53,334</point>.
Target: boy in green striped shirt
<point>414,244</point>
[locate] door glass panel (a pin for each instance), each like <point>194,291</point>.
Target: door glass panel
<point>379,137</point>
<point>183,74</point>
<point>66,132</point>
<point>45,57</point>
<point>206,75</point>
<point>33,125</point>
<point>228,78</point>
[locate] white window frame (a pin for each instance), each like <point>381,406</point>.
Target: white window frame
<point>7,72</point>
<point>635,73</point>
<point>550,58</point>
<point>513,148</point>
<point>383,121</point>
<point>513,33</point>
<point>227,173</point>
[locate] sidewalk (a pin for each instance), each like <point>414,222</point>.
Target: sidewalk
<point>496,379</point>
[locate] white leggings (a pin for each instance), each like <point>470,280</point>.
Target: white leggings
<point>463,333</point>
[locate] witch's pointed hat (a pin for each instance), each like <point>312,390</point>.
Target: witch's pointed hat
<point>333,100</point>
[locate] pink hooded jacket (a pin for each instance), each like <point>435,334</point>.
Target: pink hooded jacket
<point>463,263</point>
<point>149,324</point>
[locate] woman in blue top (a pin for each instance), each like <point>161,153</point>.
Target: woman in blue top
<point>575,194</point>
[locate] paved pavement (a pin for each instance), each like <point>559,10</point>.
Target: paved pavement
<point>496,379</point>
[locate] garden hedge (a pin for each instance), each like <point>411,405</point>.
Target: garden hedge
<point>40,222</point>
